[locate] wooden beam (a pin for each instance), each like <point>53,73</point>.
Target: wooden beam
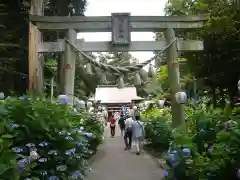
<point>103,23</point>
<point>189,45</point>
<point>35,62</point>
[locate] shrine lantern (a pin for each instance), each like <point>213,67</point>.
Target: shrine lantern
<point>238,85</point>
<point>63,99</point>
<point>181,97</point>
<point>134,107</point>
<point>2,96</point>
<point>161,103</point>
<point>89,104</point>
<point>80,104</point>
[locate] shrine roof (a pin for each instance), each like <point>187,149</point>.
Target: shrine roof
<point>112,94</point>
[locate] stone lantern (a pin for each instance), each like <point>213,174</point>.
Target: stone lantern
<point>2,96</point>
<point>63,99</point>
<point>80,104</point>
<point>181,97</point>
<point>161,103</point>
<point>89,104</point>
<point>238,85</point>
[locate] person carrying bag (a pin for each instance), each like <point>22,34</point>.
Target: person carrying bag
<point>139,134</point>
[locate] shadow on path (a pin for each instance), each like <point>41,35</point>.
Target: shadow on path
<point>113,163</point>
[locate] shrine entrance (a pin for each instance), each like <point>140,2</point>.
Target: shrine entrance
<point>120,25</point>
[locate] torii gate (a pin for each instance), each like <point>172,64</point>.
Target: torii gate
<point>121,25</point>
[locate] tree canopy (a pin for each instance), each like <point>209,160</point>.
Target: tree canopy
<point>216,67</point>
<point>14,39</point>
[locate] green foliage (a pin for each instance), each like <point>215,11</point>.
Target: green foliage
<point>157,128</point>
<point>40,140</point>
<point>216,67</point>
<point>91,124</point>
<point>8,159</point>
<point>162,78</point>
<point>14,39</point>
<point>207,148</point>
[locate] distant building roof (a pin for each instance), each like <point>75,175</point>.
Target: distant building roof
<point>112,94</point>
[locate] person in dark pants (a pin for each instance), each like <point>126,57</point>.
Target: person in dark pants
<point>121,124</point>
<point>112,125</point>
<point>128,133</point>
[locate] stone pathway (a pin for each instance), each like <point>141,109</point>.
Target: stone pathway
<point>113,163</point>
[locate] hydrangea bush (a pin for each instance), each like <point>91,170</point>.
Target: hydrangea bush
<point>42,140</point>
<point>157,128</point>
<point>207,148</point>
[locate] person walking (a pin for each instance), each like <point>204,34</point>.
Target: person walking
<point>138,133</point>
<point>121,123</point>
<point>105,116</point>
<point>112,125</point>
<point>128,132</point>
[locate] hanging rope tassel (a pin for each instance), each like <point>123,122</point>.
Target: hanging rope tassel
<point>151,72</point>
<point>137,79</point>
<point>143,75</point>
<point>120,82</point>
<point>89,69</point>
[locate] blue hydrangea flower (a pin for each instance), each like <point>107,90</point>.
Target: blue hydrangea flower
<point>165,173</point>
<point>172,157</point>
<point>175,164</point>
<point>210,150</point>
<point>186,152</point>
<point>238,173</point>
<point>68,138</point>
<point>17,149</point>
<point>22,163</point>
<point>43,144</point>
<point>52,152</point>
<point>70,151</point>
<point>76,175</point>
<point>75,112</point>
<point>202,131</point>
<point>79,144</point>
<point>53,178</point>
<point>160,125</point>
<point>42,160</point>
<point>88,134</point>
<point>13,125</point>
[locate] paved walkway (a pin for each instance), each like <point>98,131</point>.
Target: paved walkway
<point>113,163</point>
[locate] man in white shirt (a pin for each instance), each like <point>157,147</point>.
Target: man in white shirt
<point>128,132</point>
<point>138,133</point>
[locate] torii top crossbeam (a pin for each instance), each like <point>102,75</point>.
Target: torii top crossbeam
<point>104,23</point>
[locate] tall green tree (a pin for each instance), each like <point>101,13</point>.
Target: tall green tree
<point>14,39</point>
<point>216,66</point>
